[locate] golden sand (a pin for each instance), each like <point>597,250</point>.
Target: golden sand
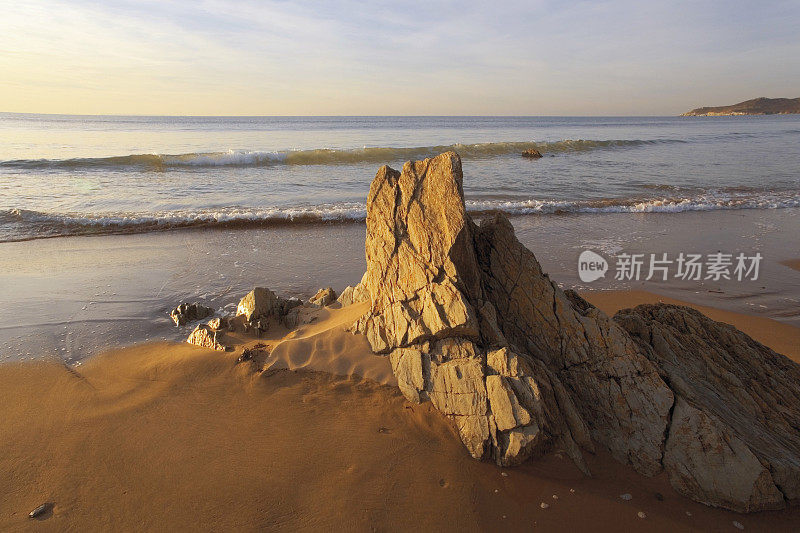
<point>172,437</point>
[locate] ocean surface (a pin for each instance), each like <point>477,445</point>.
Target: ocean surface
<point>106,223</point>
<point>74,175</point>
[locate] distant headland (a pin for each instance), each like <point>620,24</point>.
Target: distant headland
<point>756,106</point>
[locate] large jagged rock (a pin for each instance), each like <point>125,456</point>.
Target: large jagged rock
<point>472,324</point>
<point>734,440</point>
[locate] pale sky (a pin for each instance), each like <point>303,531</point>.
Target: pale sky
<point>342,57</point>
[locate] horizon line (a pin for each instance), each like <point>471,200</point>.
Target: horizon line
<point>319,116</point>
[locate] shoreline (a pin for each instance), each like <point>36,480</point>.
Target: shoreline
<point>113,455</point>
<point>72,297</point>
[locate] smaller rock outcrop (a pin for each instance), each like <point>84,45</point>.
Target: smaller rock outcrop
<point>262,303</point>
<point>324,297</point>
<point>186,312</point>
<point>218,323</point>
<point>206,337</point>
<point>351,295</point>
<point>733,440</point>
<point>257,303</point>
<point>532,153</point>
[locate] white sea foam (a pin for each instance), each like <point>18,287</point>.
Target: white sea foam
<point>229,158</point>
<point>704,202</point>
<point>28,224</point>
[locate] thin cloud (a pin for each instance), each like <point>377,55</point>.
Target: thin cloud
<point>348,57</point>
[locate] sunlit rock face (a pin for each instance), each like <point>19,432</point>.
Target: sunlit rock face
<point>472,324</point>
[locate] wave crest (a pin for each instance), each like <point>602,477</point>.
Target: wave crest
<point>320,156</point>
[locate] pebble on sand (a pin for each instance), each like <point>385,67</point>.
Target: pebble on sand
<point>555,496</point>
<point>738,525</point>
<point>39,510</point>
<point>544,505</point>
<point>626,496</point>
<point>572,491</point>
<point>641,514</point>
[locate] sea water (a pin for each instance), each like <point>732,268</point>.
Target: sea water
<point>108,221</point>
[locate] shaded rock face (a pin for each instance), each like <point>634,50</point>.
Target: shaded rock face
<point>735,432</point>
<point>472,324</point>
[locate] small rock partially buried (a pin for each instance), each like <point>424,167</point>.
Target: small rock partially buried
<point>206,337</point>
<point>324,297</point>
<point>39,510</point>
<point>249,353</point>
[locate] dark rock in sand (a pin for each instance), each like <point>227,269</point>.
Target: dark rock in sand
<point>39,511</point>
<point>248,354</point>
<point>188,312</point>
<point>532,153</point>
<point>472,324</point>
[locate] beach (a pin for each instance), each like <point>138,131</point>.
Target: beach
<point>112,421</point>
<point>72,297</point>
<point>293,266</point>
<point>171,436</point>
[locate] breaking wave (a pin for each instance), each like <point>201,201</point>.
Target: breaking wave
<point>21,224</point>
<point>321,156</point>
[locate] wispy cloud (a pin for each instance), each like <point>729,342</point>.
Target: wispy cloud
<point>352,57</point>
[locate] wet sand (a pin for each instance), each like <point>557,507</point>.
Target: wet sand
<point>781,337</point>
<point>73,297</point>
<point>792,263</point>
<point>168,436</point>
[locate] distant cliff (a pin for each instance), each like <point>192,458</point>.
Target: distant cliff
<point>757,106</point>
